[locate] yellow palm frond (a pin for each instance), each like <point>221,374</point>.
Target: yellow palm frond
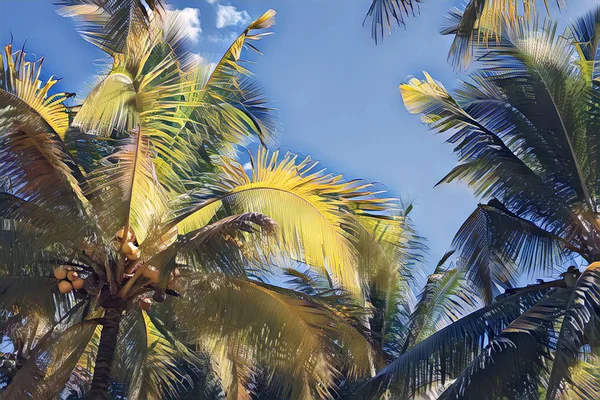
<point>22,79</point>
<point>37,164</point>
<point>301,342</point>
<point>312,209</point>
<point>128,189</point>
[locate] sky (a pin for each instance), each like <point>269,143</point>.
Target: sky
<point>335,90</point>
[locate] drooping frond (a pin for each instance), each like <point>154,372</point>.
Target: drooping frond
<point>512,365</point>
<point>585,34</point>
<point>445,298</point>
<point>385,13</point>
<point>55,355</point>
<point>580,327</point>
<point>216,246</point>
<point>445,354</point>
<point>22,79</point>
<point>151,361</point>
<point>496,247</point>
<point>317,232</point>
<point>110,24</point>
<point>38,167</point>
<point>276,329</point>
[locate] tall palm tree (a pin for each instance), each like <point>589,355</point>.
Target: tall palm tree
<point>139,257</point>
<point>525,129</point>
<point>480,21</point>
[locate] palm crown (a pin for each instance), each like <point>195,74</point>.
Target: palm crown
<point>524,127</point>
<point>136,201</point>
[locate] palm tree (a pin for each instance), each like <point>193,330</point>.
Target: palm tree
<point>525,129</point>
<point>138,256</point>
<point>477,24</point>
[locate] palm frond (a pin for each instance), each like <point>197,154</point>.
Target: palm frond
<point>38,167</point>
<point>151,360</point>
<point>316,233</point>
<point>496,247</point>
<point>110,24</point>
<point>444,355</point>
<point>580,326</point>
<point>384,13</point>
<point>445,298</point>
<point>513,363</point>
<point>278,330</point>
<point>22,79</point>
<point>55,355</point>
<point>232,104</point>
<point>128,190</point>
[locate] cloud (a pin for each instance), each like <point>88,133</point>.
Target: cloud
<point>247,166</point>
<point>189,20</point>
<point>211,1</point>
<point>229,16</point>
<point>227,38</point>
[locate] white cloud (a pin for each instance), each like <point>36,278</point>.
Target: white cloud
<point>247,166</point>
<point>189,20</point>
<point>211,1</point>
<point>229,16</point>
<point>227,38</point>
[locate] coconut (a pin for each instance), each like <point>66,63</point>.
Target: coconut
<point>78,283</point>
<point>65,286</point>
<point>60,272</point>
<point>72,276</point>
<point>152,274</point>
<point>145,304</point>
<point>128,248</point>
<point>135,254</point>
<point>119,235</point>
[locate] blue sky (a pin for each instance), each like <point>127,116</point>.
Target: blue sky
<point>336,91</point>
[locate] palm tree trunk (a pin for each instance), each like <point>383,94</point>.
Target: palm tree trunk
<point>106,352</point>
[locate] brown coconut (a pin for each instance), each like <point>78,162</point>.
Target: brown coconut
<point>60,272</point>
<point>72,276</point>
<point>151,273</point>
<point>65,286</point>
<point>78,283</point>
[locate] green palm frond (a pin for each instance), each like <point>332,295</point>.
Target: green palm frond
<point>53,358</point>
<point>496,247</point>
<point>580,326</point>
<point>128,189</point>
<point>38,166</point>
<point>232,106</point>
<point>445,354</point>
<point>513,363</point>
<point>150,361</point>
<point>110,24</point>
<point>444,299</point>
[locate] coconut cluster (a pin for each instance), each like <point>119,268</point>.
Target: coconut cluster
<point>68,279</point>
<point>127,246</point>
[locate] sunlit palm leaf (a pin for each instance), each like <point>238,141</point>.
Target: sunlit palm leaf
<point>314,233</point>
<point>282,332</point>
<point>108,23</point>
<point>22,79</point>
<point>128,187</point>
